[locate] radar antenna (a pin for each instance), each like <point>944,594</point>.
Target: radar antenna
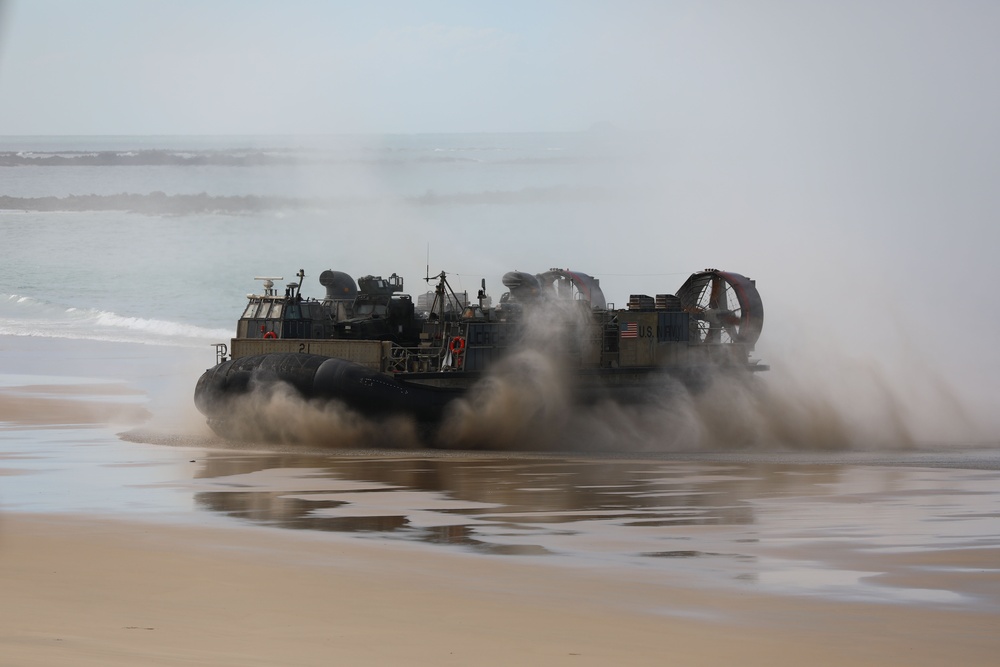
<point>269,284</point>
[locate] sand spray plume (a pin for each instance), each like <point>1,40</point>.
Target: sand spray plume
<point>529,401</point>
<point>734,412</point>
<point>275,413</point>
<point>816,397</point>
<point>871,374</point>
<point>866,404</point>
<point>525,401</point>
<point>832,404</point>
<point>667,422</point>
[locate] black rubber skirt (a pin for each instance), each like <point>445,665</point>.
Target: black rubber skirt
<point>318,377</point>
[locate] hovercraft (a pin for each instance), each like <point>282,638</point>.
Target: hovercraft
<point>375,350</point>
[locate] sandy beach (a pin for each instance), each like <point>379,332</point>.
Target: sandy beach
<point>120,553</point>
<point>107,592</point>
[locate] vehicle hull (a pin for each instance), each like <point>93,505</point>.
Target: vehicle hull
<point>423,397</point>
<point>315,376</point>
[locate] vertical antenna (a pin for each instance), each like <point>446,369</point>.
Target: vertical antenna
<point>427,269</point>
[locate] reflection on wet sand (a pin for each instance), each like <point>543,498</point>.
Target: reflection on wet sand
<point>480,503</point>
<point>829,529</point>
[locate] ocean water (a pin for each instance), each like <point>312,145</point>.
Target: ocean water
<point>158,239</point>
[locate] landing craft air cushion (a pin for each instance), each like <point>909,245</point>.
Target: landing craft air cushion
<point>370,347</point>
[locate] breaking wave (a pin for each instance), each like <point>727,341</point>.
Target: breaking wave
<point>28,316</point>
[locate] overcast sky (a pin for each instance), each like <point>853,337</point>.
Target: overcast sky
<point>314,66</point>
<point>321,66</point>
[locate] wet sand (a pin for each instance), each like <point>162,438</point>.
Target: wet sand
<point>107,592</point>
<point>122,553</point>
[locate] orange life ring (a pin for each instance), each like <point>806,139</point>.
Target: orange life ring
<point>270,334</point>
<point>456,345</point>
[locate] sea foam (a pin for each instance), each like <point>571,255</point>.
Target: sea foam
<point>28,316</point>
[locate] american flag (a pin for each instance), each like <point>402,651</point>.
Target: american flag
<point>630,330</point>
